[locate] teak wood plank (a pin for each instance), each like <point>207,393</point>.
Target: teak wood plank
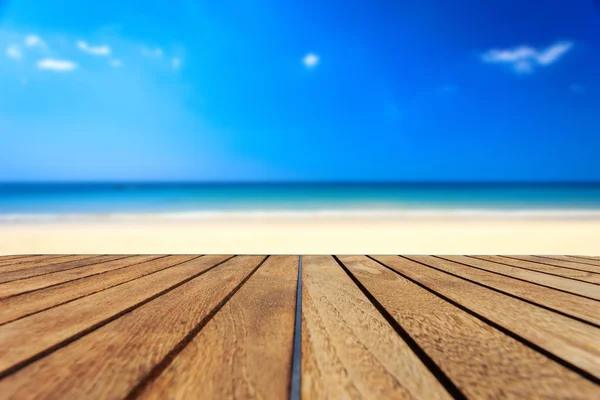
<point>562,338</point>
<point>41,281</point>
<point>561,261</point>
<point>559,272</point>
<point>579,288</point>
<point>110,362</point>
<point>577,306</point>
<point>51,268</point>
<point>349,350</point>
<point>245,351</point>
<point>29,303</point>
<point>43,262</point>
<point>483,362</point>
<point>22,340</point>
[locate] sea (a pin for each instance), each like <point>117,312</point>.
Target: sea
<point>18,199</point>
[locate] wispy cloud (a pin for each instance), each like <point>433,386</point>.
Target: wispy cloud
<point>525,59</point>
<point>176,63</point>
<point>102,50</point>
<point>56,65</point>
<point>554,52</point>
<point>34,41</point>
<point>115,63</point>
<point>311,60</point>
<point>13,51</point>
<point>156,52</point>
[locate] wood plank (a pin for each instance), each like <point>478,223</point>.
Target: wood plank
<point>482,361</point>
<point>587,265</point>
<point>109,362</point>
<point>245,351</point>
<point>593,260</point>
<point>77,262</point>
<point>587,258</point>
<point>15,257</point>
<point>579,288</point>
<point>26,338</point>
<point>349,350</point>
<point>579,307</point>
<point>41,281</point>
<point>570,265</point>
<point>562,338</point>
<point>41,261</point>
<point>24,266</point>
<point>10,260</point>
<point>560,272</point>
<point>19,306</point>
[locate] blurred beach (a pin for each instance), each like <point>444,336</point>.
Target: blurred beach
<point>300,218</point>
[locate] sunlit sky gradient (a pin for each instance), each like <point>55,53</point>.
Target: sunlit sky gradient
<point>264,90</point>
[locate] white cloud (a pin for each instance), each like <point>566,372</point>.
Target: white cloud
<point>554,52</point>
<point>525,59</point>
<point>116,63</point>
<point>103,50</point>
<point>176,63</point>
<point>311,60</point>
<point>34,41</point>
<point>56,65</point>
<point>13,51</point>
<point>156,52</point>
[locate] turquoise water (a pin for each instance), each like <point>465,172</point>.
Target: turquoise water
<point>144,198</point>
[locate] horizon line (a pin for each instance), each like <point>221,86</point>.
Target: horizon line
<point>298,182</point>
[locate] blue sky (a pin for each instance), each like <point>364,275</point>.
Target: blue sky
<point>434,90</point>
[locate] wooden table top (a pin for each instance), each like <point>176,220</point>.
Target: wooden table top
<point>310,327</point>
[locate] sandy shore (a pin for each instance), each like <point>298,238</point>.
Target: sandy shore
<point>280,233</point>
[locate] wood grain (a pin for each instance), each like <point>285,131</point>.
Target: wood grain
<point>482,361</point>
<point>174,327</point>
<point>348,349</point>
<point>245,351</point>
<point>23,339</point>
<point>25,304</point>
<point>577,306</point>
<point>78,262</point>
<point>42,262</point>
<point>6,261</point>
<point>109,362</point>
<point>41,281</point>
<point>564,262</point>
<point>585,258</point>
<point>580,276</point>
<point>578,259</point>
<point>569,340</point>
<point>568,285</point>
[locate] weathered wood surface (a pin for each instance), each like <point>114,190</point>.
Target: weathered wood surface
<point>349,349</point>
<point>218,326</point>
<point>245,351</point>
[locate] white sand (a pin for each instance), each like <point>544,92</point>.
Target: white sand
<point>281,233</point>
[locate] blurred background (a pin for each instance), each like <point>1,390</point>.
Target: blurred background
<point>185,106</point>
